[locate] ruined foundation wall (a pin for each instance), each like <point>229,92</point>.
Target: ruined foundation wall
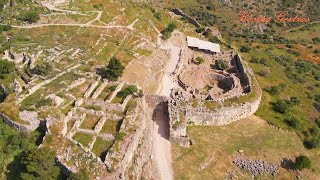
<point>190,19</point>
<point>223,115</point>
<point>20,127</point>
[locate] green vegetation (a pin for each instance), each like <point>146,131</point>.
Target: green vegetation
<point>131,89</point>
<point>6,68</point>
<point>166,33</point>
<point>111,127</point>
<point>5,28</point>
<point>222,64</point>
<point>101,147</point>
<point>43,68</point>
<point>43,102</point>
<point>252,135</point>
<point>82,138</point>
<point>214,39</point>
<point>39,163</point>
<point>29,16</point>
<point>114,69</point>
<point>83,174</point>
<point>20,157</point>
<point>199,60</point>
<point>245,48</point>
<point>302,162</point>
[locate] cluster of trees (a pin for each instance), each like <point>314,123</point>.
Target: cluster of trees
<point>21,159</point>
<point>222,64</point>
<point>114,69</point>
<point>166,32</point>
<point>202,15</point>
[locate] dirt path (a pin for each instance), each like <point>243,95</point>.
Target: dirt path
<point>161,143</point>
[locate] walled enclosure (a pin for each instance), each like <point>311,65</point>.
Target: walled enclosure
<point>186,110</point>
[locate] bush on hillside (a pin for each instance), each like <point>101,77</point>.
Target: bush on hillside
<point>302,162</point>
<point>29,16</point>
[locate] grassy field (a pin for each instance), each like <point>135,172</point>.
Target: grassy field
<point>90,122</point>
<point>221,144</point>
<point>82,138</point>
<point>101,147</point>
<point>110,127</point>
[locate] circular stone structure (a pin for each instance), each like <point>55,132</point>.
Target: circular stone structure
<point>204,79</point>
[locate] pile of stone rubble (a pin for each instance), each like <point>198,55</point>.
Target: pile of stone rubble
<point>256,167</point>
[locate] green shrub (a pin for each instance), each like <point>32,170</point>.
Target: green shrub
<point>214,39</point>
<point>43,102</point>
<point>281,106</point>
<point>311,143</point>
<point>302,162</point>
<point>318,122</point>
<point>292,122</point>
<point>157,15</point>
<point>29,16</point>
<point>5,28</point>
<point>200,29</point>
<point>316,39</point>
<point>166,33</point>
<point>222,64</point>
<point>199,60</point>
<point>6,68</point>
<point>43,68</point>
<point>119,136</point>
<point>245,48</point>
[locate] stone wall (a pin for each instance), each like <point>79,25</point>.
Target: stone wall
<point>182,113</point>
<point>22,127</point>
<point>223,115</point>
<point>190,19</point>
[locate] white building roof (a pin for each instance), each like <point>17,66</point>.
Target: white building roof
<point>203,45</point>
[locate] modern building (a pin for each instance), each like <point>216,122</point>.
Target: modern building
<point>203,45</point>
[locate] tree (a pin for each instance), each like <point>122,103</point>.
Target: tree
<point>6,68</point>
<point>302,162</point>
<point>222,64</point>
<point>81,175</point>
<point>39,163</point>
<point>114,69</point>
